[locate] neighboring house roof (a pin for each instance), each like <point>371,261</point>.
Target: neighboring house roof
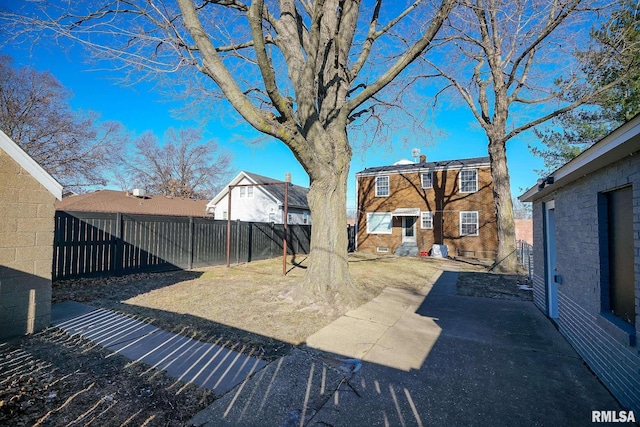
<point>418,167</point>
<point>30,165</point>
<point>297,194</point>
<point>621,143</point>
<point>119,201</point>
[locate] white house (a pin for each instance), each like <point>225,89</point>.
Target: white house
<point>261,199</point>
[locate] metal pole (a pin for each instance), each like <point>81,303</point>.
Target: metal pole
<point>286,214</point>
<point>229,227</point>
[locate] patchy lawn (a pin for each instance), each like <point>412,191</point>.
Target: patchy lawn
<point>498,286</point>
<point>50,378</point>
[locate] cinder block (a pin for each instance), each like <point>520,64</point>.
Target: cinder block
<point>45,238</point>
<point>8,240</point>
<point>7,255</point>
<point>35,224</point>
<point>43,267</point>
<point>34,253</point>
<point>18,210</point>
<point>47,209</point>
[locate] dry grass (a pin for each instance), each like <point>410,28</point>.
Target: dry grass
<point>251,297</point>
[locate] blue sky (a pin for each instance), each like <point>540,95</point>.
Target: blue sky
<point>140,108</point>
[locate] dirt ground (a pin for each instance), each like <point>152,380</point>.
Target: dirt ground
<point>52,379</point>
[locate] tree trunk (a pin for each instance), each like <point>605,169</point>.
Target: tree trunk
<point>506,257</point>
<point>327,278</point>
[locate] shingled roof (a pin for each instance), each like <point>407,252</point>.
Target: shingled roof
<point>297,194</point>
<point>119,201</point>
<point>413,167</point>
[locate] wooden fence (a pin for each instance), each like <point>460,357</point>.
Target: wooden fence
<point>88,243</point>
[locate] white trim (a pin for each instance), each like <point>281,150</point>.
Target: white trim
<point>460,180</point>
<point>422,220</point>
<point>388,186</point>
<point>448,167</point>
<point>30,165</point>
<point>621,143</point>
<point>380,232</point>
<point>477,223</point>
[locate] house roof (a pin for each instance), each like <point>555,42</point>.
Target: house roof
<point>621,143</point>
<point>119,201</point>
<point>30,165</point>
<point>297,194</point>
<point>418,167</point>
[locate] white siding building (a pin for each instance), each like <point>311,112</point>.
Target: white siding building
<point>261,203</point>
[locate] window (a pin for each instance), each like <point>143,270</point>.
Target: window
<point>289,218</point>
<point>427,180</point>
<point>469,223</point>
<point>617,254</point>
<point>427,220</point>
<point>305,217</point>
<point>272,217</point>
<point>382,186</point>
<point>379,223</point>
<point>224,214</point>
<point>246,192</point>
<point>468,181</point>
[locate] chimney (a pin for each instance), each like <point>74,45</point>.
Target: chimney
<point>423,158</point>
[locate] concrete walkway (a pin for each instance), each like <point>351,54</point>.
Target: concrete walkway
<point>208,365</point>
<point>427,358</point>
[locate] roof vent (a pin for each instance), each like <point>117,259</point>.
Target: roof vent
<point>138,192</point>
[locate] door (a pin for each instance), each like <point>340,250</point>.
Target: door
<point>550,253</point>
<point>409,229</point>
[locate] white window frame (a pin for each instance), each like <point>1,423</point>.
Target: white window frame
<point>272,217</point>
<point>477,222</point>
<point>225,215</point>
<point>422,218</point>
<point>243,192</point>
<point>430,180</point>
<point>249,192</point>
<point>463,171</point>
<point>378,194</point>
<point>371,214</point>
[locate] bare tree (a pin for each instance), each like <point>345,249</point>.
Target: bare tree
<point>182,166</point>
<point>299,71</point>
<point>35,113</point>
<point>510,61</point>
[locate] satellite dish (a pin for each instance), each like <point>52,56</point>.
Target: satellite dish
<point>415,152</point>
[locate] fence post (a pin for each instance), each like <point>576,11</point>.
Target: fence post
<point>118,252</point>
<point>191,239</point>
<point>237,241</point>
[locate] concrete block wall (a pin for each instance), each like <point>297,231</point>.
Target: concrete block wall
<point>609,348</point>
<point>26,245</point>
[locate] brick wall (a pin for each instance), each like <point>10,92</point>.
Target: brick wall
<point>26,242</point>
<point>597,336</point>
<point>444,200</point>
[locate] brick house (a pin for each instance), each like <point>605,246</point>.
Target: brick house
<point>407,208</point>
<point>27,195</point>
<point>586,234</point>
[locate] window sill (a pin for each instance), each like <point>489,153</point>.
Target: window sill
<point>621,331</point>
